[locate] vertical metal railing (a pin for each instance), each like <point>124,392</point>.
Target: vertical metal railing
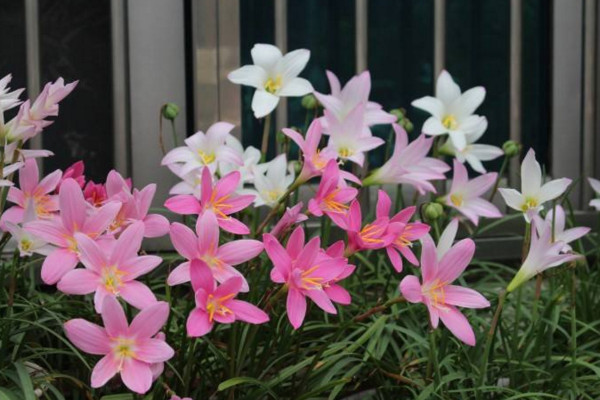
<point>439,37</point>
<point>32,40</point>
<point>281,26</point>
<point>589,96</point>
<point>361,39</point>
<point>516,65</point>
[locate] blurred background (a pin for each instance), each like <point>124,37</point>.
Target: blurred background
<point>538,60</point>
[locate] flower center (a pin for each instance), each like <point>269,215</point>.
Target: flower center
<point>272,195</point>
<point>25,245</point>
<point>456,199</point>
<point>449,121</point>
<point>332,204</point>
<point>112,278</point>
<point>219,205</point>
<point>206,158</point>
<point>215,306</point>
<point>530,202</point>
<point>124,348</point>
<point>42,206</point>
<point>273,85</point>
<point>318,161</point>
<point>311,282</point>
<point>371,233</point>
<point>435,292</point>
<point>345,152</point>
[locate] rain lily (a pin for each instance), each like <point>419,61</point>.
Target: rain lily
<point>375,235</point>
<point>32,192</point>
<point>9,170</point>
<point>60,231</point>
<point>26,242</point>
<point>46,104</point>
<point>474,153</point>
<point>218,303</point>
<point>533,194</point>
<point>342,101</point>
<point>305,271</point>
<point>250,159</point>
<point>348,138</point>
<point>405,232</point>
<point>205,247</point>
<point>409,164</point>
<point>8,99</point>
<point>595,184</point>
<point>437,292</point>
<point>332,288</point>
<point>543,254</point>
<point>452,112</point>
<point>291,216</point>
<point>332,195</point>
<point>112,273</point>
<point>128,350</point>
<point>135,206</point>
<point>273,183</point>
<point>447,238</point>
<point>465,195</point>
<point>76,172</point>
<point>218,199</point>
<point>273,75</point>
<point>95,193</point>
<point>558,224</point>
<point>204,150</point>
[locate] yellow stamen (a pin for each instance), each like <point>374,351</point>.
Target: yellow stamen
<point>272,195</point>
<point>449,121</point>
<point>206,158</point>
<point>308,282</point>
<point>530,202</point>
<point>273,85</point>
<point>334,205</point>
<point>345,152</point>
<point>112,278</point>
<point>456,199</point>
<point>25,245</point>
<point>435,292</point>
<point>369,231</point>
<point>215,306</point>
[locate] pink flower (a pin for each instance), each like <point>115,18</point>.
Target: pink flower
<point>409,164</point>
<point>291,217</point>
<point>342,101</point>
<point>32,192</point>
<point>465,194</point>
<point>135,206</point>
<point>436,291</point>
<point>375,235</point>
<point>315,160</point>
<point>112,273</point>
<point>405,233</point>
<point>75,171</point>
<point>560,233</point>
<point>336,292</point>
<point>61,231</point>
<point>332,195</point>
<point>175,397</point>
<point>46,104</point>
<point>218,303</point>
<point>95,193</point>
<point>218,199</point>
<point>205,247</point>
<point>305,270</point>
<point>129,350</point>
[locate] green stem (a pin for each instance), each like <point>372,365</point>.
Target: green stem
<point>175,142</point>
<point>275,209</point>
<point>265,138</point>
<point>433,358</point>
<point>187,374</point>
<point>499,178</point>
<point>488,343</point>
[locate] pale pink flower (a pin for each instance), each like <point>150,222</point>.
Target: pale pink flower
<point>135,206</point>
<point>305,270</point>
<point>46,104</point>
<point>8,99</point>
<point>218,199</point>
<point>291,217</point>
<point>60,231</point>
<point>436,291</point>
<point>405,232</point>
<point>205,247</point>
<point>558,224</point>
<point>112,273</point>
<point>409,164</point>
<point>465,195</point>
<point>218,303</point>
<point>128,350</point>
<point>595,184</point>
<point>332,196</point>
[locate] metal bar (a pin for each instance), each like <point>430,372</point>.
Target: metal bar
<point>32,39</point>
<point>281,42</point>
<point>362,47</point>
<point>121,138</point>
<point>228,50</point>
<point>589,97</point>
<point>516,39</point>
<point>439,41</point>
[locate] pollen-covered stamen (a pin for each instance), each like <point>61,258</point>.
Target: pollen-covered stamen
<point>311,282</point>
<point>219,205</point>
<point>435,291</point>
<point>112,279</point>
<point>25,245</point>
<point>332,204</point>
<point>371,233</point>
<point>530,202</point>
<point>272,195</point>
<point>318,161</point>
<point>123,348</point>
<point>457,199</point>
<point>273,85</point>
<point>345,152</point>
<point>42,204</point>
<point>215,305</point>
<point>449,121</point>
<point>206,158</point>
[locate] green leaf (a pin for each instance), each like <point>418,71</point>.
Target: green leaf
<point>6,394</point>
<point>122,396</point>
<point>25,380</point>
<point>240,380</point>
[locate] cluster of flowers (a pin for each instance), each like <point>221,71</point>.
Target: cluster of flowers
<point>101,226</point>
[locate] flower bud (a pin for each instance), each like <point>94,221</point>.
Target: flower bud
<point>170,111</point>
<point>511,148</point>
<point>398,113</point>
<point>408,126</point>
<point>296,166</point>
<point>310,102</point>
<point>433,211</point>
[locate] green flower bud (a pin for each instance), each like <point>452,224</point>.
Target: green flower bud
<point>511,148</point>
<point>433,211</point>
<point>310,102</point>
<point>408,126</point>
<point>170,111</point>
<point>398,113</point>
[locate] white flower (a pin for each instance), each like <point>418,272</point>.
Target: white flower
<point>273,183</point>
<point>273,75</point>
<point>560,233</point>
<point>595,184</point>
<point>452,112</point>
<point>204,150</point>
<point>250,159</point>
<point>8,99</point>
<point>533,194</point>
<point>474,153</point>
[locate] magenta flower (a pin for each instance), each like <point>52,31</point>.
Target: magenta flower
<point>332,288</point>
<point>405,232</point>
<point>205,247</point>
<point>60,231</point>
<point>305,271</point>
<point>409,164</point>
<point>465,195</point>
<point>375,235</point>
<point>135,206</point>
<point>218,303</point>
<point>218,199</point>
<point>32,193</point>
<point>95,193</point>
<point>75,172</point>
<point>128,350</point>
<point>332,195</point>
<point>112,273</point>
<point>436,291</point>
<point>291,217</point>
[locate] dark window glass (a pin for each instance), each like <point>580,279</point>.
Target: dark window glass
<point>76,44</point>
<point>12,42</point>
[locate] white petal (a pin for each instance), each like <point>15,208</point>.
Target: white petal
<point>553,189</point>
<point>433,126</point>
<point>485,152</point>
<point>531,175</point>
<point>512,198</point>
<point>474,163</point>
<point>296,87</point>
<point>265,55</point>
<point>458,139</point>
<point>433,106</point>
<point>595,184</point>
<point>292,64</point>
<point>263,103</point>
<point>446,89</point>
<point>469,101</point>
<point>249,75</point>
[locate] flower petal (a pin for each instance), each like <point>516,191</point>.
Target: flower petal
<point>149,321</point>
<point>458,324</point>
<point>247,312</point>
<point>296,307</point>
<point>136,375</point>
<point>105,369</point>
<point>263,103</point>
<point>88,337</point>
